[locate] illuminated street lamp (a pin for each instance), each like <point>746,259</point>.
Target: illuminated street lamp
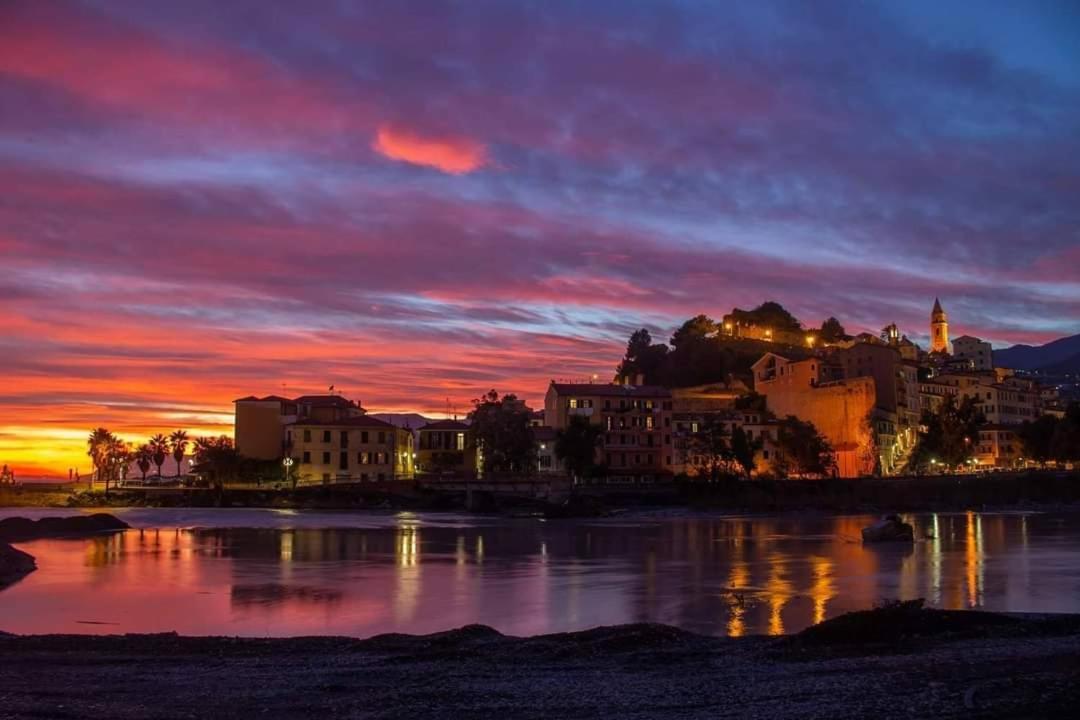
<point>287,463</point>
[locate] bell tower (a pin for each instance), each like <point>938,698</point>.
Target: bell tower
<point>939,329</point>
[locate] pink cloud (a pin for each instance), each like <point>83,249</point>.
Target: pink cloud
<point>454,156</point>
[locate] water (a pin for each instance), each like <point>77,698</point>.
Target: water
<point>278,573</point>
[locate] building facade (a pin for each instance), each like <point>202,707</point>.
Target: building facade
<point>841,410</point>
<point>636,445</point>
<point>349,449</point>
<point>447,447</point>
<point>980,354</point>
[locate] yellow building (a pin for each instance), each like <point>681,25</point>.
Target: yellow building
<point>447,447</point>
<point>260,423</point>
<point>351,449</point>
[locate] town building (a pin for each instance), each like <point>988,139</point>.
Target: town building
<point>978,352</point>
<point>636,445</point>
<point>939,329</point>
<point>447,447</point>
<point>998,447</point>
<point>841,410</point>
<point>546,460</point>
<point>332,447</point>
<point>260,423</point>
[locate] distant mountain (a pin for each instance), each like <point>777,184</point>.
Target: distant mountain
<point>1062,355</point>
<point>412,421</point>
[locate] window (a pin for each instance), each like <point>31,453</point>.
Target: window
<point>307,436</point>
<point>326,458</point>
<point>607,404</point>
<point>608,422</point>
<point>307,458</point>
<point>364,437</point>
<point>326,436</point>
<point>693,427</point>
<point>382,437</point>
<point>637,459</point>
<point>573,403</point>
<point>344,439</point>
<point>461,441</point>
<point>648,404</point>
<point>343,461</point>
<point>649,422</point>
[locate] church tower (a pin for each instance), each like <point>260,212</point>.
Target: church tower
<point>939,329</point>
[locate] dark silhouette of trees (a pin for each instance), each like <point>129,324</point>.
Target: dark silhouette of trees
<point>159,450</point>
<point>142,459</point>
<point>643,357</point>
<point>503,435</point>
<point>709,450</point>
<point>575,446</point>
<point>802,449</point>
<point>831,331</point>
<point>743,450</point>
<point>949,438</point>
<point>178,443</point>
<point>1037,438</point>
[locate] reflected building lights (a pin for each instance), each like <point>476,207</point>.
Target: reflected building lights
<point>738,580</point>
<point>778,591</point>
<point>823,589</point>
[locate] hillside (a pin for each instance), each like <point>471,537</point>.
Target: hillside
<point>1062,355</point>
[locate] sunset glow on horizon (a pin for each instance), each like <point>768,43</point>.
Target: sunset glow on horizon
<point>416,203</point>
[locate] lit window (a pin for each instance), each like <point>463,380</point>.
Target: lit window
<point>461,441</point>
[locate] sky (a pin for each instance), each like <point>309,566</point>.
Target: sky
<point>419,201</point>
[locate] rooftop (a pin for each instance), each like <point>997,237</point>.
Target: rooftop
<point>610,390</point>
<point>445,425</point>
<point>358,421</point>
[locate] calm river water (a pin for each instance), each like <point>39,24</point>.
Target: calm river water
<point>277,573</point>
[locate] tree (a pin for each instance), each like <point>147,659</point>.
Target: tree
<point>1065,445</point>
<point>178,444</point>
<point>159,450</point>
<point>142,459</point>
<point>949,436</point>
<point>831,331</point>
<point>119,457</point>
<point>743,450</point>
<point>643,357</point>
<point>709,449</point>
<point>575,446</point>
<point>503,434</point>
<point>97,447</point>
<point>217,459</point>
<point>695,330</point>
<point>1037,438</point>
<point>802,449</point>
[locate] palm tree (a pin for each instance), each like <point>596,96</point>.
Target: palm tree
<point>142,459</point>
<point>178,442</point>
<point>159,450</point>
<point>119,455</point>
<point>97,447</point>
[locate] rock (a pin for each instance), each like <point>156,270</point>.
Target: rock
<point>20,529</point>
<point>14,564</point>
<point>889,529</point>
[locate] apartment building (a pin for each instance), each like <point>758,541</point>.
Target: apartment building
<point>447,447</point>
<point>636,444</point>
<point>260,422</point>
<point>349,448</point>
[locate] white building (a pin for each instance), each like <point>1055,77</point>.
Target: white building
<point>980,353</point>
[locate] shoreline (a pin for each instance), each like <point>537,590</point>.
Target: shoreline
<point>899,659</point>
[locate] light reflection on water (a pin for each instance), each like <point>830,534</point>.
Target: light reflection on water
<point>734,576</point>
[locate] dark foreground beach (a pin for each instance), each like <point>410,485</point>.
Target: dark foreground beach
<point>898,662</point>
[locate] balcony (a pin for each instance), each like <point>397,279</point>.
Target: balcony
<point>583,412</point>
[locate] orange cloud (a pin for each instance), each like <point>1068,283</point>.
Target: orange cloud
<point>456,156</point>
